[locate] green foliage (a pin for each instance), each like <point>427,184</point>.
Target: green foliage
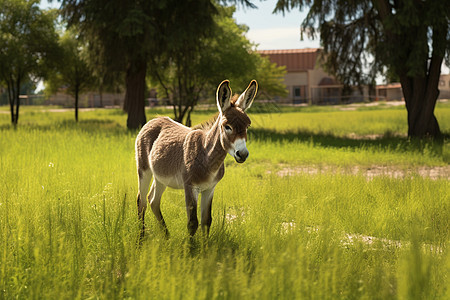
<point>27,46</point>
<point>72,72</point>
<point>404,39</point>
<point>126,34</point>
<point>69,226</point>
<point>194,68</point>
<point>371,35</point>
<point>132,35</point>
<point>270,78</point>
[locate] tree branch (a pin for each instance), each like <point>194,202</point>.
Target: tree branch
<point>383,8</point>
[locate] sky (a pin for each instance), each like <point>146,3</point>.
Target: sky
<point>273,31</point>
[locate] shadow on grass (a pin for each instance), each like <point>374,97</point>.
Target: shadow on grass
<point>386,141</point>
<point>87,125</point>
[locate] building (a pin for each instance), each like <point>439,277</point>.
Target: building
<point>444,86</point>
<point>305,80</point>
<point>389,92</point>
<point>393,91</point>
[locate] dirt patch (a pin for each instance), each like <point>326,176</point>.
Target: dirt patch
<point>351,239</point>
<point>373,137</point>
<point>371,172</point>
<point>355,106</point>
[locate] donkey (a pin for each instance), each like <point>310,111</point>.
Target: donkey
<point>192,158</point>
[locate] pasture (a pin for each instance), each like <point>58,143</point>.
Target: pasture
<point>330,204</point>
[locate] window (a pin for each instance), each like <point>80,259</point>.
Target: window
<point>299,92</point>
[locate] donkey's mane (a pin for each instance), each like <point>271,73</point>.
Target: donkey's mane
<point>208,124</point>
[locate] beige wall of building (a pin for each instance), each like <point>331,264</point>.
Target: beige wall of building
<point>316,75</point>
<point>304,76</point>
<point>296,83</point>
<point>301,84</point>
<point>444,86</point>
<point>296,78</point>
<point>393,91</point>
<point>307,82</point>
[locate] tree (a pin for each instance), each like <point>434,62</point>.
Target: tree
<point>27,45</point>
<point>131,32</point>
<point>408,38</point>
<point>270,78</point>
<point>103,79</point>
<point>133,35</point>
<point>72,71</point>
<point>193,69</point>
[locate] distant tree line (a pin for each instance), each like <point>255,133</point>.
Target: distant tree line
<point>27,39</point>
<point>181,48</point>
<point>185,47</point>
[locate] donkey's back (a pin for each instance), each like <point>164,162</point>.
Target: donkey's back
<point>159,145</point>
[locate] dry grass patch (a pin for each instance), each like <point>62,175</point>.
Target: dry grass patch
<point>436,172</point>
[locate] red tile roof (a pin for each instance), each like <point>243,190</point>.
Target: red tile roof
<point>295,60</point>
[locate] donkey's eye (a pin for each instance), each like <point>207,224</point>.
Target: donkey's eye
<point>228,128</point>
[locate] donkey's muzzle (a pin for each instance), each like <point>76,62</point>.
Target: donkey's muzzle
<point>241,156</point>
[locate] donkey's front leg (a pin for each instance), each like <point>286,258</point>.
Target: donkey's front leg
<point>207,197</point>
<point>191,196</point>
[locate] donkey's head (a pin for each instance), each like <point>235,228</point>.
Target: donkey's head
<point>233,119</point>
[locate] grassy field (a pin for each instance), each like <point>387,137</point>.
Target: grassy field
<point>331,204</point>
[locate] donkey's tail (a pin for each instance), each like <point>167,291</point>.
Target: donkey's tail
<point>144,143</point>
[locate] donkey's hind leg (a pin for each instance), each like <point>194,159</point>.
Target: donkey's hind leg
<point>144,182</point>
<point>205,205</point>
<point>154,198</point>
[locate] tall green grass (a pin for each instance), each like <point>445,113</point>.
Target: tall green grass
<point>69,228</point>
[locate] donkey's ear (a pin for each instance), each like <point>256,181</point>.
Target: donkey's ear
<point>223,96</point>
<point>245,100</point>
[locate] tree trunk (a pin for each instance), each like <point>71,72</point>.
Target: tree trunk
<point>76,105</point>
<point>11,106</point>
<point>19,79</point>
<point>14,100</point>
<point>421,94</point>
<point>16,120</point>
<point>100,91</point>
<point>420,105</point>
<point>11,98</point>
<point>181,113</point>
<point>134,103</point>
